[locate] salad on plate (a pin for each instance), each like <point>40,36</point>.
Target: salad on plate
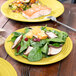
<point>38,43</point>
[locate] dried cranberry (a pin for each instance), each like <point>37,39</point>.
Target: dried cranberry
<point>35,39</point>
<point>18,48</point>
<point>26,39</point>
<point>38,40</point>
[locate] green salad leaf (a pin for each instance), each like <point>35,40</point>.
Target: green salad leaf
<point>24,45</point>
<point>25,56</point>
<point>63,35</point>
<point>44,49</point>
<point>44,28</point>
<point>38,44</point>
<point>57,44</point>
<point>27,30</point>
<point>13,38</point>
<point>55,40</point>
<point>15,35</point>
<point>35,54</point>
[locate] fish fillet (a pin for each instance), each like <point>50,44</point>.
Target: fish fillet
<point>36,11</point>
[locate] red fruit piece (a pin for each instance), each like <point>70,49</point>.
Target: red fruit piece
<point>26,39</point>
<point>38,40</point>
<point>18,48</point>
<point>35,39</point>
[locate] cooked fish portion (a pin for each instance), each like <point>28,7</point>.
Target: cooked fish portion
<point>17,41</point>
<point>36,11</point>
<point>54,50</point>
<point>51,35</point>
<point>28,50</point>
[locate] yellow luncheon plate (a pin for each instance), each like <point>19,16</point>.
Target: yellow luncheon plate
<point>57,10</point>
<point>6,68</point>
<point>67,47</point>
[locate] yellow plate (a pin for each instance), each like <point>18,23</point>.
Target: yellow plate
<point>57,10</point>
<point>52,59</point>
<point>6,68</point>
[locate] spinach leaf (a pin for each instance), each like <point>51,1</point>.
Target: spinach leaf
<point>55,40</point>
<point>63,35</point>
<point>35,54</point>
<point>57,44</point>
<point>45,55</point>
<point>34,44</point>
<point>44,49</point>
<point>43,42</point>
<point>38,44</point>
<point>27,30</point>
<point>24,45</point>
<point>16,34</point>
<point>44,28</point>
<point>13,38</point>
<point>25,56</point>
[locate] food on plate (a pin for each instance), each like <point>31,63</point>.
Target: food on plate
<point>19,5</point>
<point>37,43</point>
<point>30,9</point>
<point>36,11</point>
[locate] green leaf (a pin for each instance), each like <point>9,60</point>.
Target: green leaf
<point>38,44</point>
<point>13,38</point>
<point>24,45</point>
<point>16,34</point>
<point>43,42</point>
<point>25,8</point>
<point>57,44</point>
<point>45,55</point>
<point>55,40</point>
<point>27,30</point>
<point>63,35</point>
<point>44,28</point>
<point>25,56</point>
<point>16,53</point>
<point>35,54</point>
<point>44,49</point>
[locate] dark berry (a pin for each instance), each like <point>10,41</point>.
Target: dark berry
<point>38,40</point>
<point>26,39</point>
<point>35,39</point>
<point>18,48</point>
